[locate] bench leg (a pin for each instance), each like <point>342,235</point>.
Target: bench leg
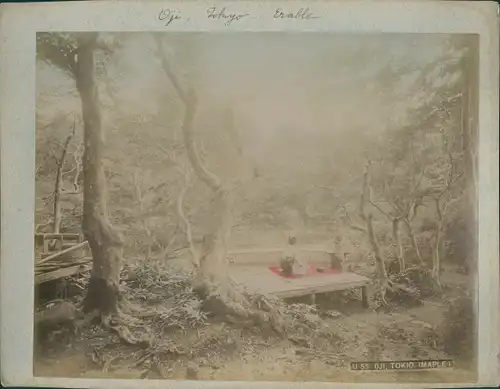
<point>313,299</point>
<point>364,296</point>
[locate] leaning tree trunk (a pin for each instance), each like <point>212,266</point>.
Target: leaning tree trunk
<point>213,265</point>
<point>106,244</point>
<point>213,260</point>
<point>213,284</point>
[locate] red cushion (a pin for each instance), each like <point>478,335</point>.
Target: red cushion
<point>312,271</point>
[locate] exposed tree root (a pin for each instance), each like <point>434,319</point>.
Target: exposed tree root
<point>121,321</point>
<point>261,311</point>
<point>130,308</point>
<point>120,324</point>
<point>407,286</point>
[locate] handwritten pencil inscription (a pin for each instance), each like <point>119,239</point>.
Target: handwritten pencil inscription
<point>224,15</point>
<point>300,14</point>
<point>169,15</point>
<point>227,17</point>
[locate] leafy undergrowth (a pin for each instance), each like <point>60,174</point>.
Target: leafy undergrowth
<point>169,297</point>
<point>406,288</point>
<point>169,315</point>
<point>182,337</point>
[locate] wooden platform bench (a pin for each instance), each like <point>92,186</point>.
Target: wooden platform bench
<point>250,269</point>
<point>262,280</point>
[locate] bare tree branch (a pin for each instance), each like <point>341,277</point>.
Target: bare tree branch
<point>72,192</point>
<point>78,154</point>
<point>172,159</point>
<point>59,50</point>
<point>380,210</point>
<point>358,228</point>
<point>166,249</point>
<point>415,188</point>
<point>191,102</point>
<point>195,257</point>
<point>389,198</point>
<point>38,226</point>
<point>58,189</point>
<point>368,219</point>
<point>364,193</point>
<point>168,71</point>
<point>40,165</point>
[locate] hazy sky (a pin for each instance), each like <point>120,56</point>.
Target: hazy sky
<point>290,78</point>
<point>308,81</point>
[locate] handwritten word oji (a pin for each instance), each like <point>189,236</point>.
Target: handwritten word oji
<point>302,13</point>
<point>214,13</point>
<point>169,15</point>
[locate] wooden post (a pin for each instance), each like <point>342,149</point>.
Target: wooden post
<point>364,296</point>
<point>45,245</point>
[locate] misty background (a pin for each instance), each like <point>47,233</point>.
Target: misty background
<point>308,111</point>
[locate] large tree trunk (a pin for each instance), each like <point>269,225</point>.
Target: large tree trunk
<point>106,244</point>
<point>213,283</point>
<point>212,269</point>
<point>213,265</point>
<point>213,260</point>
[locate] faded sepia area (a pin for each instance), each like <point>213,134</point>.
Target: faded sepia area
<point>255,206</point>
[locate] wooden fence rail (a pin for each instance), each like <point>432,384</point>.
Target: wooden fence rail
<point>63,252</point>
<point>55,265</point>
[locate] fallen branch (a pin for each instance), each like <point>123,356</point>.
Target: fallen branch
<point>119,323</point>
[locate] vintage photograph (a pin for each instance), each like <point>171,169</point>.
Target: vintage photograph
<point>256,206</point>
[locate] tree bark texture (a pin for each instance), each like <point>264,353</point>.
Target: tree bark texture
<point>212,259</point>
<point>106,244</point>
<point>213,283</point>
